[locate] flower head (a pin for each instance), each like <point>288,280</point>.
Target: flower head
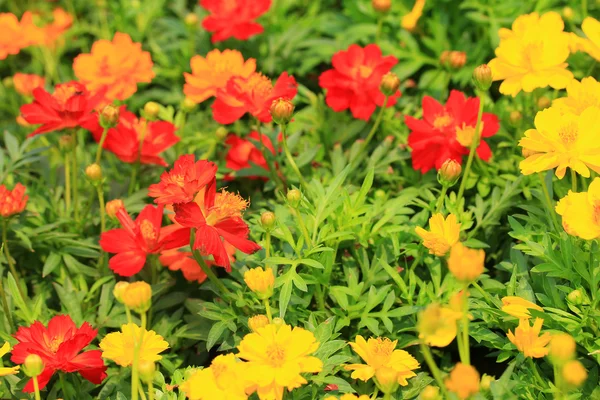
<point>437,325</point>
<point>563,140</point>
<point>276,356</point>
<point>4,371</point>
<point>25,83</point>
<point>260,281</point>
<point>443,235</point>
<point>137,296</point>
<point>518,307</point>
<point>574,373</point>
<point>464,263</point>
<point>243,153</point>
<point>445,130</point>
<point>463,381</point>
<point>380,355</point>
<point>527,338</point>
<point>258,321</point>
<point>183,260</point>
<point>225,379</point>
<point>353,82</point>
<point>581,212</point>
<point>562,348</point>
<point>212,72</point>
<point>14,37</point>
<point>409,21</point>
<point>48,34</point>
<point>591,44</point>
<point>12,201</point>
<point>60,346</point>
<point>580,95</point>
<point>119,346</point>
<point>532,55</point>
<point>115,67</point>
<point>234,18</point>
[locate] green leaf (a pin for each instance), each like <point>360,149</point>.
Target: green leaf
<point>51,263</point>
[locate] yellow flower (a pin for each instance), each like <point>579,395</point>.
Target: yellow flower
<point>380,354</point>
<point>260,281</point>
<point>223,380</point>
<point>257,322</point>
<point>562,348</point>
<point>275,358</point>
<point>518,307</point>
<point>580,95</point>
<point>532,55</point>
<point>581,212</point>
<point>409,21</point>
<point>591,45</point>
<point>465,264</point>
<point>563,140</point>
<point>463,381</point>
<point>437,325</point>
<point>528,340</point>
<point>4,371</point>
<point>443,235</point>
<point>430,393</point>
<point>574,373</point>
<point>118,346</point>
<point>137,296</point>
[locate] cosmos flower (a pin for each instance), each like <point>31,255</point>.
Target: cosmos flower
<point>437,325</point>
<point>234,18</point>
<point>464,263</point>
<point>25,83</point>
<point>243,153</point>
<point>580,95</point>
<point>590,44</point>
<point>527,338</point>
<point>443,234</point>
<point>12,201</point>
<point>581,212</point>
<point>518,307</point>
<point>226,379</point>
<point>119,346</point>
<point>463,381</point>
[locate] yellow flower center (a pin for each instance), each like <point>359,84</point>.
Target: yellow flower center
<point>64,92</point>
<point>55,344</point>
<point>147,230</point>
<point>532,52</point>
<point>276,355</point>
<point>178,180</point>
<point>442,121</point>
<point>383,347</point>
<point>258,85</point>
<point>364,71</point>
<point>568,133</point>
<point>466,134</point>
<point>227,205</point>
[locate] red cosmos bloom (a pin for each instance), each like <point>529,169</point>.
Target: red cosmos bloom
<point>124,139</point>
<point>217,219</point>
<point>138,238</point>
<point>70,106</point>
<point>12,201</point>
<point>60,345</point>
<point>354,80</point>
<point>180,184</point>
<point>243,153</point>
<point>181,260</point>
<point>233,18</point>
<point>253,95</point>
<point>447,131</point>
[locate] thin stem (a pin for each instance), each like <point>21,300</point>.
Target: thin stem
<point>9,258</point>
<point>465,329</point>
<point>36,388</point>
<point>209,273</point>
<point>373,130</point>
<point>549,202</point>
<point>5,306</point>
<point>435,371</point>
<point>440,201</point>
<point>584,8</point>
<point>128,314</point>
<point>263,150</point>
<point>100,191</point>
<point>67,184</point>
<point>132,180</point>
<point>268,250</point>
<point>573,180</point>
<point>75,175</point>
<point>150,390</point>
<point>536,373</point>
<point>268,310</point>
<point>375,393</point>
<point>379,26</point>
<point>290,159</point>
<point>557,381</point>
<point>474,145</point>
<point>302,226</point>
<point>135,379</point>
<point>101,145</point>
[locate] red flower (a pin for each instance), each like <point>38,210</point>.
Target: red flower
<point>180,184</point>
<point>60,345</point>
<point>181,260</point>
<point>253,95</point>
<point>446,131</point>
<point>217,218</point>
<point>243,153</point>
<point>234,18</point>
<point>124,139</point>
<point>70,106</point>
<point>12,201</point>
<point>354,80</point>
<point>138,238</point>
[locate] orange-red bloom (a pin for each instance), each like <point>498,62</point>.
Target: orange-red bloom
<point>244,154</point>
<point>13,37</point>
<point>234,18</point>
<point>60,345</point>
<point>184,181</point>
<point>124,139</point>
<point>70,106</point>
<point>12,201</point>
<point>25,83</point>
<point>138,238</point>
<point>354,80</point>
<point>212,72</point>
<point>253,95</point>
<point>117,66</point>
<point>48,34</point>
<point>182,260</point>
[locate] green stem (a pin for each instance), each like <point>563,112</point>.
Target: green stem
<point>100,191</point>
<point>549,202</point>
<point>290,159</point>
<point>5,306</point>
<point>538,378</point>
<point>573,181</point>
<point>466,356</point>
<point>67,184</point>
<point>584,8</point>
<point>150,390</point>
<point>268,250</point>
<point>474,145</point>
<point>372,132</point>
<point>36,388</point>
<point>75,176</point>
<point>263,150</point>
<point>101,145</point>
<point>11,266</point>
<point>440,201</point>
<point>128,314</point>
<point>209,273</point>
<point>302,227</point>
<point>557,381</point>
<point>133,178</point>
<point>387,396</point>
<point>379,26</point>
<point>268,310</point>
<point>375,393</point>
<point>435,371</point>
<point>135,379</point>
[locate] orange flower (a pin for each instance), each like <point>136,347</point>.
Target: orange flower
<point>212,72</point>
<point>48,34</point>
<point>12,39</point>
<point>25,83</point>
<point>117,66</point>
<point>12,201</point>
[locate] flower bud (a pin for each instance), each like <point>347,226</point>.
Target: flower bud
<point>109,117</point>
<point>22,121</point>
<point>151,110</point>
<point>449,173</point>
<point>543,103</point>
<point>515,117</point>
<point>138,297</point>
<point>260,281</point>
<point>8,82</point>
<point>574,373</point>
<point>146,370</point>
<point>576,297</point>
<point>278,322</point>
<point>387,378</point>
<point>562,348</point>
<point>293,197</point>
<point>482,77</point>
<point>267,219</point>
<point>380,194</point>
<point>567,13</point>
<point>221,133</point>
<point>282,111</point>
<point>389,84</point>
<point>382,6</point>
<point>410,83</point>
<point>191,20</point>
<point>33,365</point>
<point>486,382</point>
<point>94,172</point>
<point>457,59</point>
<point>119,290</point>
<point>113,206</point>
<point>257,322</point>
<point>445,58</point>
<point>430,393</point>
<point>66,143</point>
<point>188,105</point>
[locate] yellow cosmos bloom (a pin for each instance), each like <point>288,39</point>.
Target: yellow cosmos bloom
<point>581,212</point>
<point>260,281</point>
<point>463,381</point>
<point>532,55</point>
<point>580,95</point>
<point>382,358</point>
<point>409,21</point>
<point>562,348</point>
<point>574,373</point>
<point>518,307</point>
<point>4,371</point>
<point>464,263</point>
<point>443,234</point>
<point>223,380</point>
<point>528,340</point>
<point>276,356</point>
<point>562,140</point>
<point>118,346</point>
<point>437,325</point>
<point>591,45</point>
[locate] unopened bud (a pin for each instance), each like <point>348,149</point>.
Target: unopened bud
<point>146,370</point>
<point>482,77</point>
<point>380,194</point>
<point>567,13</point>
<point>33,365</point>
<point>191,20</point>
<point>457,59</point>
<point>293,197</point>
<point>282,111</point>
<point>119,289</point>
<point>515,117</point>
<point>113,206</point>
<point>109,116</point>
<point>8,82</point>
<point>562,348</point>
<point>382,6</point>
<point>267,219</point>
<point>449,173</point>
<point>486,382</point>
<point>260,281</point>
<point>575,297</point>
<point>387,379</point>
<point>445,58</point>
<point>257,322</point>
<point>430,393</point>
<point>151,110</point>
<point>94,172</point>
<point>278,322</point>
<point>188,105</point>
<point>138,296</point>
<point>389,84</point>
<point>543,103</point>
<point>410,83</point>
<point>221,133</point>
<point>66,143</point>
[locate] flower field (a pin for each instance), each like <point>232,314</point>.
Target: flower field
<point>300,200</point>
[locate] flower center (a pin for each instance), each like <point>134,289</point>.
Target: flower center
<point>179,180</point>
<point>258,85</point>
<point>276,355</point>
<point>64,92</point>
<point>54,344</point>
<point>147,230</point>
<point>364,71</point>
<point>442,121</point>
<point>466,134</point>
<point>384,347</point>
<point>227,205</point>
<point>141,127</point>
<point>568,133</point>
